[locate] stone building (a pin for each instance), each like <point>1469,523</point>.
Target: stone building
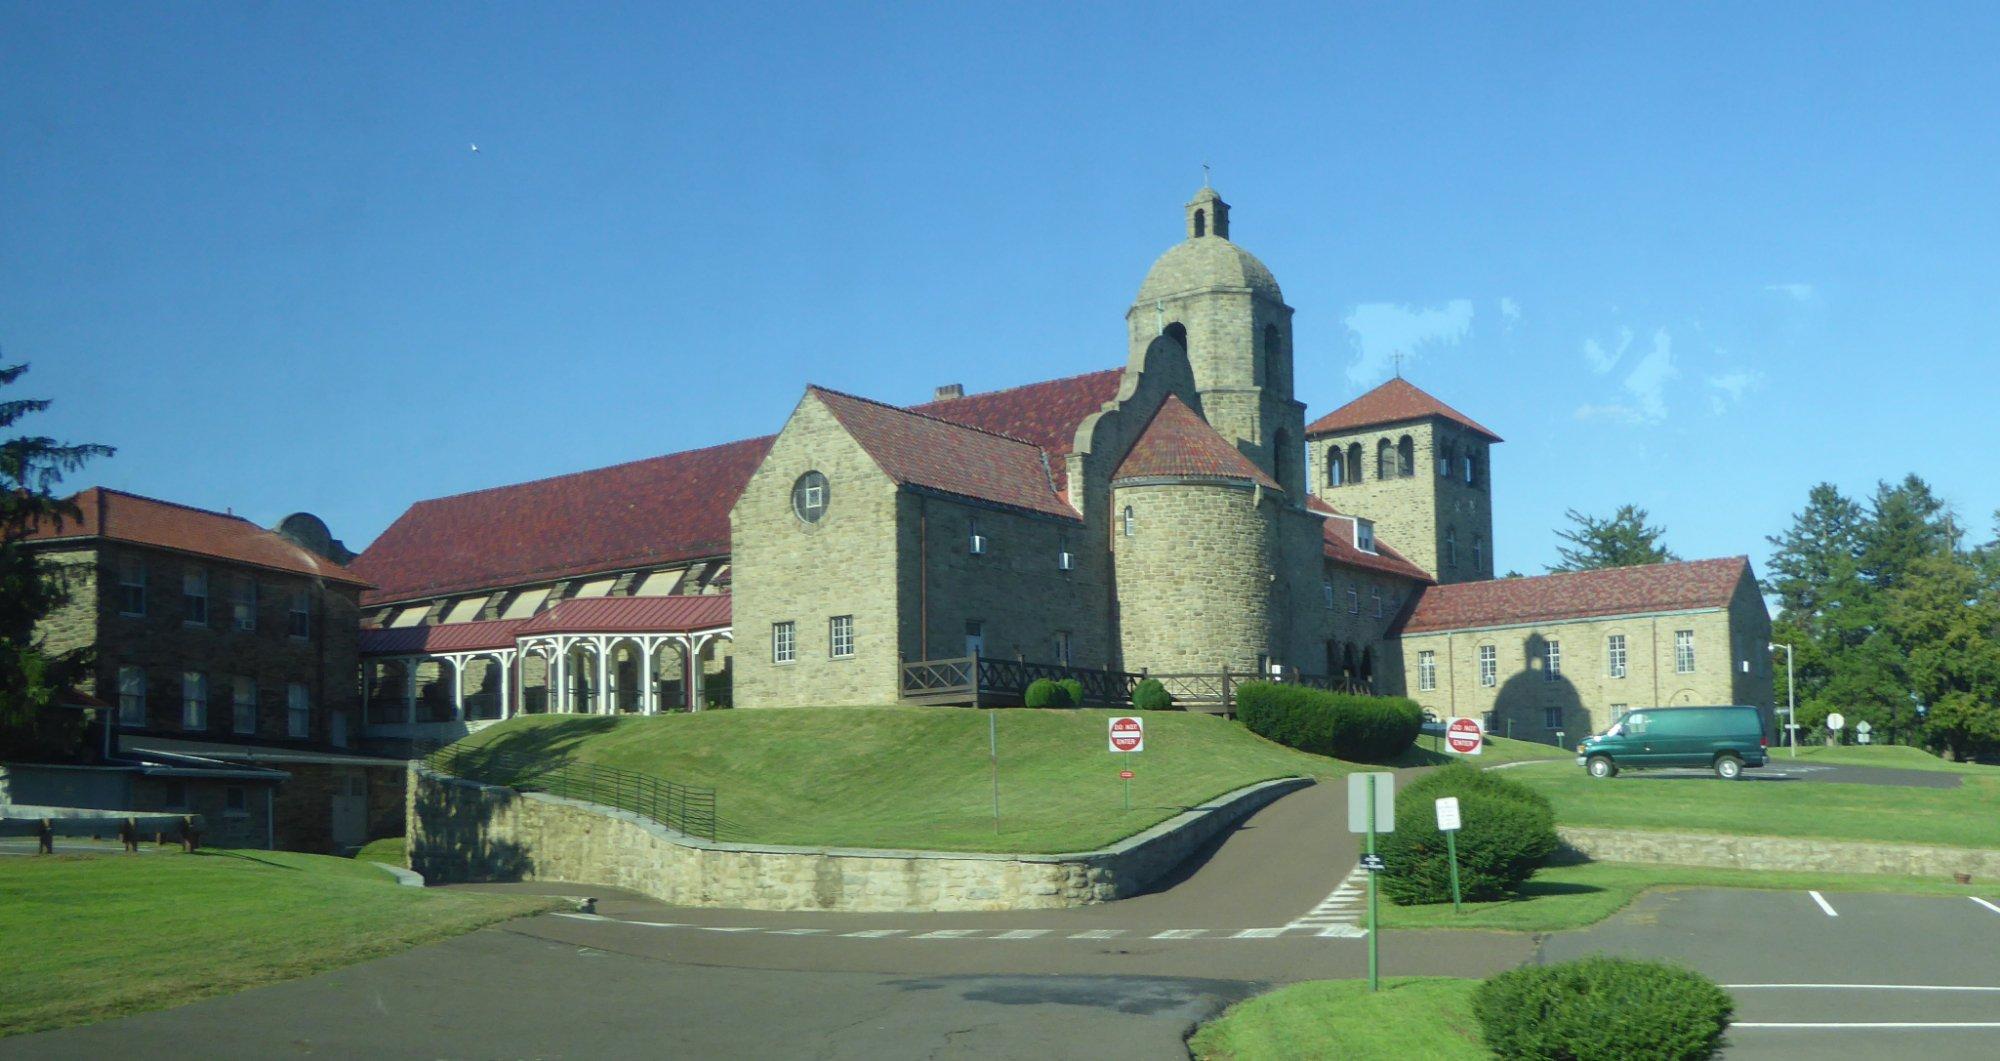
<point>1172,514</point>
<point>220,647</point>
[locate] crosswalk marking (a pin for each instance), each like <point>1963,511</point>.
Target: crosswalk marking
<point>948,933</point>
<point>1260,933</point>
<point>723,928</point>
<point>797,931</point>
<point>875,933</point>
<point>1023,933</point>
<point>1100,933</point>
<point>1338,916</point>
<point>1180,933</point>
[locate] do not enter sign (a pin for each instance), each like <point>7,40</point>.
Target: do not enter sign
<point>1462,736</point>
<point>1128,735</point>
<point>1125,775</point>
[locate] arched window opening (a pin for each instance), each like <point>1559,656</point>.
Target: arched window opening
<point>1336,468</point>
<point>1200,223</point>
<point>1367,665</point>
<point>1354,462</point>
<point>1347,669</point>
<point>1444,462</point>
<point>1406,457</point>
<point>1128,521</point>
<point>1385,459</point>
<point>1177,332</point>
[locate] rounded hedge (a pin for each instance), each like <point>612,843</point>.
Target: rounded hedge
<point>1343,725</point>
<point>1508,832</point>
<point>1601,1007</point>
<point>1044,692</point>
<point>1074,689</point>
<point>1150,695</point>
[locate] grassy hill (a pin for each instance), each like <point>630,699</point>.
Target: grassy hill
<point>99,936</point>
<point>921,778</point>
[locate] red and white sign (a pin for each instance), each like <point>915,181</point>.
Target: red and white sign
<point>1462,736</point>
<point>1128,734</point>
<point>1124,775</point>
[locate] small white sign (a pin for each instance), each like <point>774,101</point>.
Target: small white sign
<point>1385,802</point>
<point>1862,727</point>
<point>1835,721</point>
<point>1448,813</point>
<point>1128,734</point>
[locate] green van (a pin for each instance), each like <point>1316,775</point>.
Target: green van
<point>1724,738</point>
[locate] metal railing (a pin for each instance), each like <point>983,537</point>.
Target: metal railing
<point>982,680</point>
<point>687,808</point>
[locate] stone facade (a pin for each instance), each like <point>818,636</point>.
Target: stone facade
<point>1780,853</point>
<point>1195,591</point>
<point>465,831</point>
<point>1584,695</point>
<point>1432,515</point>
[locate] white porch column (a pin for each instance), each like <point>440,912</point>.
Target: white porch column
<point>457,687</point>
<point>605,704</point>
<point>559,686</point>
<point>506,678</point>
<point>646,676</point>
<point>694,665</point>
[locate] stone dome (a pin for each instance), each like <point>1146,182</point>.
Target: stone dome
<point>1207,263</point>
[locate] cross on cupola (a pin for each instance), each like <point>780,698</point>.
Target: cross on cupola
<point>1207,214</point>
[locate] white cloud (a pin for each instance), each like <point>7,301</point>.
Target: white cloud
<point>1601,360</point>
<point>1800,293</point>
<point>1510,314</point>
<point>1381,330</point>
<point>1645,386</point>
<point>1726,391</point>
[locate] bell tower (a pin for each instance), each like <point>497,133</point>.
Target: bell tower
<point>1226,308</point>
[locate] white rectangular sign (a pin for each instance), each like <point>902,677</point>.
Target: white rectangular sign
<point>1448,813</point>
<point>1385,802</point>
<point>1128,734</point>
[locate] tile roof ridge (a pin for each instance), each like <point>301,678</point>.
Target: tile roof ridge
<point>591,471</point>
<point>1038,383</point>
<point>1707,561</point>
<point>926,416</point>
<point>159,501</point>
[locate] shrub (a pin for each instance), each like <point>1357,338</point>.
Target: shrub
<point>1602,1008</point>
<point>1508,832</point>
<point>1074,689</point>
<point>1347,726</point>
<point>1150,695</point>
<point>1043,692</point>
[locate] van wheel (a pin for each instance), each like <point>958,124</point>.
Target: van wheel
<point>1728,767</point>
<point>1601,766</point>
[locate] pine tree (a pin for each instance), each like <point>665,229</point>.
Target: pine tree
<point>1946,624</point>
<point>1624,540</point>
<point>1906,522</point>
<point>31,466</point>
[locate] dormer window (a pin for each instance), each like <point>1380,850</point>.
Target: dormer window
<point>1364,535</point>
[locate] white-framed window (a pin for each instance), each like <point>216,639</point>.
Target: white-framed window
<point>1614,655</point>
<point>975,637</point>
<point>1375,598</point>
<point>1427,670</point>
<point>132,697</point>
<point>1364,535</point>
<point>840,637</point>
<point>1451,547</point>
<point>1684,651</point>
<point>809,496</point>
<point>243,604</point>
<point>298,711</point>
<point>243,704</point>
<point>1062,647</point>
<point>1336,473</point>
<point>194,700</point>
<point>1552,718</point>
<point>1468,469</point>
<point>1478,553</point>
<point>1127,521</point>
<point>1553,653</point>
<point>1065,560</point>
<point>975,542</point>
<point>194,596</point>
<point>1489,666</point>
<point>1326,587</point>
<point>301,614</point>
<point>1353,599</point>
<point>235,802</point>
<point>131,586</point>
<point>784,642</point>
<point>1444,466</point>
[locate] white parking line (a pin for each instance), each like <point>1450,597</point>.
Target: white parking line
<point>1984,903</point>
<point>1823,904</point>
<point>1905,1024</point>
<point>1858,987</point>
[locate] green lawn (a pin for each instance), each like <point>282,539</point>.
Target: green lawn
<point>92,937</point>
<point>390,850</point>
<point>1563,897</point>
<point>920,777</point>
<point>1429,751</point>
<point>1956,817</point>
<point>1411,1017</point>
<point>1900,757</point>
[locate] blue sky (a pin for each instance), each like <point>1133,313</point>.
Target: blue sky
<point>1695,259</point>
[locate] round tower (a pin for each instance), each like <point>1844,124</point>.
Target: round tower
<point>1226,308</point>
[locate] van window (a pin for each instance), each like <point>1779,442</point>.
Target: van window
<point>1637,724</point>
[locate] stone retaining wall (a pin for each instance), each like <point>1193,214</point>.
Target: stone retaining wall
<point>463,831</point>
<point>1780,853</point>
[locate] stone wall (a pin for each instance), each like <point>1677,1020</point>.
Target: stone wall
<point>1779,853</point>
<point>1584,697</point>
<point>1417,513</point>
<point>465,831</point>
<point>1195,577</point>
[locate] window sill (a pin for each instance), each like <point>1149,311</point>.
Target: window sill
<point>838,659</point>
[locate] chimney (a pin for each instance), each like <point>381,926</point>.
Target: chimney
<point>950,391</point>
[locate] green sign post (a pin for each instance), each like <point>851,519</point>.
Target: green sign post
<point>1371,809</point>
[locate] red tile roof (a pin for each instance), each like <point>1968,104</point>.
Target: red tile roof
<point>119,516</point>
<point>632,615</point>
<point>1579,595</point>
<point>919,450</point>
<point>1045,414</point>
<point>1391,403</point>
<point>653,511</point>
<point>434,640</point>
<point>1178,444</point>
<point>1340,547</point>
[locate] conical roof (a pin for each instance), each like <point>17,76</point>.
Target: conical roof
<point>1177,444</point>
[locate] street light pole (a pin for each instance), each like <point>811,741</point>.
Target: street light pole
<point>1791,698</point>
